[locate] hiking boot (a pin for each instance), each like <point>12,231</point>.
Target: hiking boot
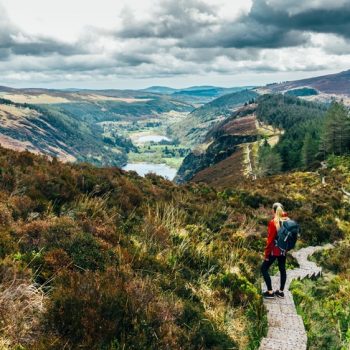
<point>268,295</point>
<point>279,294</point>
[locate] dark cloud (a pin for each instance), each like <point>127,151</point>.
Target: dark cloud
<point>318,19</point>
<point>173,19</point>
<point>14,41</point>
<point>267,25</point>
<point>44,47</point>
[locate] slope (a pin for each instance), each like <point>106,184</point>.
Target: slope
<point>338,83</point>
<point>221,164</point>
<point>192,131</point>
<point>74,120</point>
<point>107,259</point>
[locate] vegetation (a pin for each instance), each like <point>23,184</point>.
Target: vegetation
<point>221,148</point>
<point>324,304</point>
<point>301,120</point>
<point>52,130</point>
<point>117,261</point>
<point>192,131</point>
<point>158,153</point>
<point>93,112</point>
<point>336,130</point>
<point>224,105</point>
<point>269,161</point>
<point>301,92</point>
<point>110,260</point>
<point>97,258</point>
<point>78,128</point>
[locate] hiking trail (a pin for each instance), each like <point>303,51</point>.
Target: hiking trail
<point>286,328</point>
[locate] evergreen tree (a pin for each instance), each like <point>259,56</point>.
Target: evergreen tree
<point>309,149</point>
<point>336,130</point>
<point>269,161</point>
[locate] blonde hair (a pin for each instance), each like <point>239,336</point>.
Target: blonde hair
<point>279,214</point>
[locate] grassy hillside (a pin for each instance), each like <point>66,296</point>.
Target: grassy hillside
<point>196,94</point>
<point>324,305</point>
<point>338,83</point>
<point>222,141</point>
<point>100,259</point>
<point>45,129</point>
<point>98,111</point>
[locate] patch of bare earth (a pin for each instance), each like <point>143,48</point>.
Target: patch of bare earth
<point>17,145</point>
<point>241,126</point>
<point>36,99</point>
<point>95,97</point>
<point>225,173</point>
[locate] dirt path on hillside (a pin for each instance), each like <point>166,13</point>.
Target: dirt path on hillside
<point>249,165</point>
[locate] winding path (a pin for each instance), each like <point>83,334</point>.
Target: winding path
<point>286,328</point>
<point>250,167</point>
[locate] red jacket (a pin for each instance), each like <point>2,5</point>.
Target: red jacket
<point>271,248</point>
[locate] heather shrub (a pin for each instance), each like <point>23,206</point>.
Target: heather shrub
<point>141,263</point>
<point>86,252</point>
<point>22,305</point>
<point>88,309</point>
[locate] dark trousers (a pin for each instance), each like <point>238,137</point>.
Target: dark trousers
<point>282,267</point>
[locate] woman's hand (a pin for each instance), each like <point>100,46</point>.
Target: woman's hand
<point>266,259</point>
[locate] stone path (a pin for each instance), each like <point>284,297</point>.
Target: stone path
<point>286,328</point>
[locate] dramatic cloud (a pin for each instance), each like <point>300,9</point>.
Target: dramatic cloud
<point>128,41</point>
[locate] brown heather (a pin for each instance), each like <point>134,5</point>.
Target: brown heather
<point>97,258</point>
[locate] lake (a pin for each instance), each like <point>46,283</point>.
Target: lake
<point>149,138</point>
<point>144,168</point>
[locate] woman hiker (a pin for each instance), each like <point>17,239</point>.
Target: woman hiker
<point>272,252</point>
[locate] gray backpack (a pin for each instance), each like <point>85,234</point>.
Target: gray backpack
<point>287,235</point>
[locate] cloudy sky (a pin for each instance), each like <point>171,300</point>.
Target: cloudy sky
<point>137,43</point>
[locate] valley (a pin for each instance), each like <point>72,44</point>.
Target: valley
<point>153,149</point>
<point>165,204</point>
<point>153,127</point>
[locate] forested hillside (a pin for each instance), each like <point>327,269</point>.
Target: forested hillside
<point>290,133</point>
<point>300,120</point>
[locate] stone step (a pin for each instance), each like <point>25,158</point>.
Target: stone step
<point>285,334</point>
<point>288,309</point>
<point>274,344</point>
<point>290,321</point>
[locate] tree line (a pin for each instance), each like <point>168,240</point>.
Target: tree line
<point>312,132</point>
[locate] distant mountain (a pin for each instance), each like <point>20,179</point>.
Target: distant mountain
<point>160,90</point>
<point>196,94</point>
<point>338,83</point>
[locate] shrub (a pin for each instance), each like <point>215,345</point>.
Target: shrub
<point>89,309</point>
<point>86,252</point>
<point>21,307</point>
